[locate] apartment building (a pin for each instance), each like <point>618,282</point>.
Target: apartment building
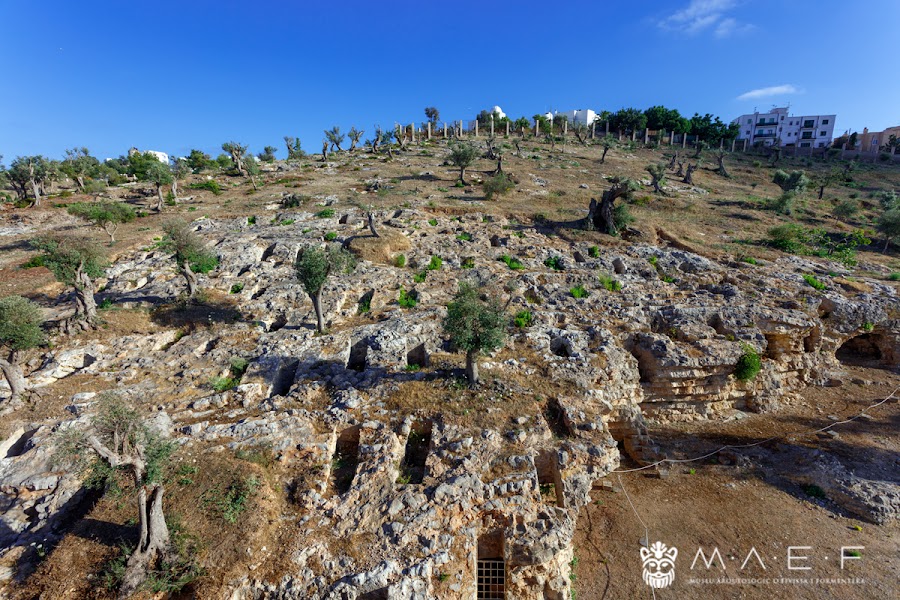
<point>779,127</point>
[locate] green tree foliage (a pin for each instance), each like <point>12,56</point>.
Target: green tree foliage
<point>20,330</point>
<point>628,120</point>
<point>117,439</point>
<point>253,171</point>
<point>189,251</point>
<point>158,173</point>
<point>463,155</point>
<point>314,265</point>
<point>607,141</point>
<point>668,119</point>
<point>105,215</point>
<point>335,138</point>
<point>795,181</point>
<point>180,170</point>
<point>237,153</point>
<point>199,161</point>
<point>355,135</point>
<point>889,226</point>
<point>712,130</point>
<point>79,164</point>
<point>658,176</point>
<point>498,184</point>
<point>293,148</point>
<point>432,114</point>
<point>268,154</point>
<point>75,262</point>
<point>475,324</point>
<point>28,174</point>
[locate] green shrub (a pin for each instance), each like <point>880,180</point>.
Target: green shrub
<point>34,261</point>
<point>432,222</point>
<point>523,319</point>
<point>251,220</point>
<point>330,236</point>
<point>622,217</point>
<point>787,238</point>
<point>435,264</point>
<point>814,491</point>
<point>813,282</point>
<point>554,262</point>
<point>223,384</point>
<point>749,260</point>
<point>894,276</point>
<point>209,185</point>
<point>205,263</point>
<point>499,184</point>
<point>846,209</point>
<point>512,263</point>
<point>325,213</point>
<point>594,252</point>
<point>237,288</point>
<point>408,299</point>
<point>868,326</point>
<point>105,304</point>
<point>464,237</point>
<point>232,501</point>
<point>783,204</point>
<point>400,261</point>
<point>420,276</point>
<point>610,284</point>
<point>579,292</point>
<point>468,263</point>
<point>748,365</point>
<point>365,304</point>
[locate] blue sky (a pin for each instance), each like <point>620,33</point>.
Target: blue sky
<point>172,76</point>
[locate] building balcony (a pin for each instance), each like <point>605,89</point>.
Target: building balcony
<point>766,123</point>
<point>764,135</point>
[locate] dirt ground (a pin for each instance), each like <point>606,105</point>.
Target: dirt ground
<point>755,503</point>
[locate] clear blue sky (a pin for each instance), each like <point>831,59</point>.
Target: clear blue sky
<point>172,76</point>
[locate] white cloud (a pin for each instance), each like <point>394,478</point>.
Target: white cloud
<point>775,90</point>
<point>701,15</point>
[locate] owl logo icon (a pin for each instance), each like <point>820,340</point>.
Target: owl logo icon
<point>659,565</point>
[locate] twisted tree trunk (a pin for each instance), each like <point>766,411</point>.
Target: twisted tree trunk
<point>12,371</point>
<point>603,156</point>
<point>190,278</point>
<point>159,197</point>
<point>472,368</point>
<point>370,217</point>
<point>689,176</point>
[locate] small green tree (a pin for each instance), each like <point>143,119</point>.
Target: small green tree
<point>160,175</point>
<point>658,176</point>
<point>28,174</point>
<point>78,164</point>
<point>118,439</point>
<point>432,114</point>
<point>463,155</point>
<point>189,251</point>
<point>20,330</point>
<point>293,147</point>
<point>335,138</point>
<point>180,169</point>
<point>199,161</point>
<point>268,154</point>
<point>607,141</point>
<point>475,324</point>
<point>795,181</point>
<point>355,135</point>
<point>237,152</point>
<point>105,215</point>
<point>827,179</point>
<point>75,262</point>
<point>889,225</point>
<point>314,265</point>
<point>253,171</point>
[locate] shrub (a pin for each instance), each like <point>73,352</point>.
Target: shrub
<point>846,209</point>
<point>579,292</point>
<point>464,237</point>
<point>610,284</point>
<point>251,220</point>
<point>435,264</point>
<point>468,263</point>
<point>365,304</point>
<point>34,261</point>
<point>749,260</point>
<point>325,213</point>
<point>420,276</point>
<point>622,217</point>
<point>293,200</point>
<point>783,204</point>
<point>432,222</point>
<point>788,237</point>
<point>748,365</point>
<point>230,503</point>
<point>408,299</point>
<point>523,319</point>
<point>400,261</point>
<point>512,263</point>
<point>894,276</point>
<point>237,288</point>
<point>814,491</point>
<point>554,262</point>
<point>330,236</point>
<point>209,185</point>
<point>499,184</point>
<point>594,252</point>
<point>813,282</point>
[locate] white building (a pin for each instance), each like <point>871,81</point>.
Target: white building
<point>584,116</point>
<point>777,126</point>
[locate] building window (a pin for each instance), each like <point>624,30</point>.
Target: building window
<point>809,123</point>
<point>746,133</point>
<point>822,133</point>
<point>874,141</point>
<point>804,145</point>
<point>821,144</point>
<point>749,121</point>
<point>824,121</point>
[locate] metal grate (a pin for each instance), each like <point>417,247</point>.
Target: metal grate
<point>491,579</point>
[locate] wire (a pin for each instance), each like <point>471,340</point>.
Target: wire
<point>759,443</point>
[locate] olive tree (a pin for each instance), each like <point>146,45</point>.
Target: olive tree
<point>602,215</point>
<point>236,151</point>
<point>293,147</point>
<point>658,176</point>
<point>475,324</point>
<point>75,262</point>
<point>117,438</point>
<point>720,158</point>
<point>253,171</point>
<point>607,141</point>
<point>78,164</point>
<point>189,251</point>
<point>827,179</point>
<point>314,265</point>
<point>27,174</point>
<point>795,181</point>
<point>889,225</point>
<point>463,155</point>
<point>335,138</point>
<point>268,154</point>
<point>105,215</point>
<point>181,168</point>
<point>432,114</point>
<point>355,135</point>
<point>160,175</point>
<point>20,330</point>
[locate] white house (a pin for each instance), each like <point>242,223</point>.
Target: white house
<point>777,126</point>
<point>584,116</point>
